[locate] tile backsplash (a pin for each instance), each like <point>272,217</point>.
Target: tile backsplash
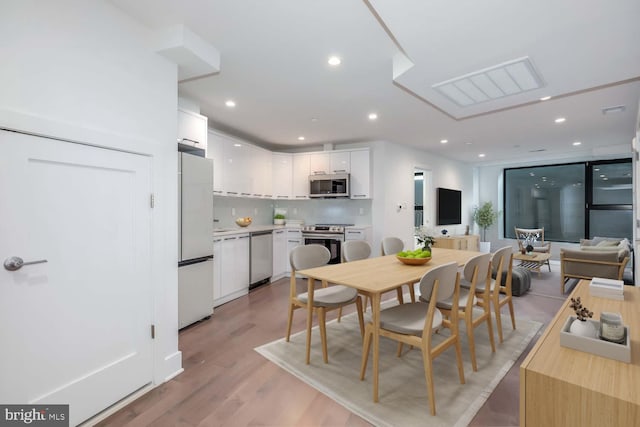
<point>331,211</point>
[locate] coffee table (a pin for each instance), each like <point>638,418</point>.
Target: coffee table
<point>533,261</point>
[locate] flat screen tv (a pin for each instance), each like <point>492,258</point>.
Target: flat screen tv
<point>449,206</point>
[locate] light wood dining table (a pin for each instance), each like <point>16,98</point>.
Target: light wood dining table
<point>373,277</point>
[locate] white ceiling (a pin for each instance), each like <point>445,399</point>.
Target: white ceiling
<point>273,63</point>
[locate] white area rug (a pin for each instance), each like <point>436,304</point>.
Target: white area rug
<point>403,392</point>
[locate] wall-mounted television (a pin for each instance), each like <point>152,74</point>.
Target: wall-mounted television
<point>449,206</point>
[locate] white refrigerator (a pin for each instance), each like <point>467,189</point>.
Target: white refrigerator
<point>195,243</point>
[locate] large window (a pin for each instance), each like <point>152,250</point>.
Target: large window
<point>571,201</point>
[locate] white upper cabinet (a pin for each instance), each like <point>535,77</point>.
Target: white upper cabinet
<point>340,162</point>
<point>192,129</point>
<point>259,172</point>
<point>329,162</point>
<point>215,144</point>
<point>241,169</point>
<point>300,179</point>
<point>282,175</point>
<point>360,174</point>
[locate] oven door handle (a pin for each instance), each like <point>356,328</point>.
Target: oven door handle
<point>339,237</point>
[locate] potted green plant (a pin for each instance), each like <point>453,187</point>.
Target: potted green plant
<point>278,219</point>
<point>485,216</point>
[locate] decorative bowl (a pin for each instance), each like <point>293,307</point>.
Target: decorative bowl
<point>413,261</point>
<point>243,222</point>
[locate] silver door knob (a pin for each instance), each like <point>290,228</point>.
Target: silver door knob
<point>15,263</point>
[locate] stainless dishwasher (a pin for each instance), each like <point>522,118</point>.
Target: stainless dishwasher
<point>261,258</point>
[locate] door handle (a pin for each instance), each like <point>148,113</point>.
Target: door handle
<point>15,263</point>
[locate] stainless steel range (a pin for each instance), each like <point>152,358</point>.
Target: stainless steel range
<point>330,236</point>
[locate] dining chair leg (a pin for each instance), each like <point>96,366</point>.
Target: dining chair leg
<point>490,329</point>
<point>498,320</point>
<point>339,314</point>
<point>289,321</point>
<point>366,348</point>
<point>360,315</point>
<point>459,359</point>
<point>400,296</point>
<point>428,373</point>
<point>399,350</point>
<point>472,344</point>
<point>513,317</point>
<point>322,323</point>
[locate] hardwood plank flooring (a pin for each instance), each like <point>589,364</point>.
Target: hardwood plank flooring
<point>227,383</point>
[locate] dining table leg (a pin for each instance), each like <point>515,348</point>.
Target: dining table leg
<point>310,287</point>
<point>375,319</point>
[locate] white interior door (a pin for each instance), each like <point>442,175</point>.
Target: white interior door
<point>75,329</point>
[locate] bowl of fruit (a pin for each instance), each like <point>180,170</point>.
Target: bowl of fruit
<point>244,221</point>
<point>415,257</point>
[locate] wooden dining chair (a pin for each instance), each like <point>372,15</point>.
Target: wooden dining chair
<point>415,324</point>
<point>501,262</point>
<point>325,298</point>
<point>474,290</point>
<point>391,246</point>
<point>354,250</point>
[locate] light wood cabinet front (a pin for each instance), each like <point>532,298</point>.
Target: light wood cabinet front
<point>462,243</point>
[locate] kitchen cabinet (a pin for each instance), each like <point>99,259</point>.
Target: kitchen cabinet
<point>231,267</point>
<point>329,162</point>
<point>360,174</point>
<point>192,129</point>
<point>280,254</point>
<point>261,173</point>
<point>282,175</point>
<point>294,239</point>
<point>300,176</point>
<point>236,181</point>
<point>358,233</point>
<point>215,144</point>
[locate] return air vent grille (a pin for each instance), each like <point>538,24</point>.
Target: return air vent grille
<point>538,150</point>
<point>499,81</point>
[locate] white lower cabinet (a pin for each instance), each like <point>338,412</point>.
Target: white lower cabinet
<point>359,233</point>
<point>280,254</point>
<point>294,239</point>
<point>230,268</point>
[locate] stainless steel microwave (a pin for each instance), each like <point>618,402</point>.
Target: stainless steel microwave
<point>333,185</point>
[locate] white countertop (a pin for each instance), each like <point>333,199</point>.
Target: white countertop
<point>228,231</point>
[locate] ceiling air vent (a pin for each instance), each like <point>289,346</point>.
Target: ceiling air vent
<point>499,81</point>
<point>537,150</point>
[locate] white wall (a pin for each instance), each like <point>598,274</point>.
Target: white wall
<point>84,71</point>
<point>393,184</point>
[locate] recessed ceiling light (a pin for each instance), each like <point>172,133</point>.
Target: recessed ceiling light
<point>596,169</point>
<point>301,138</point>
<point>468,143</point>
<point>230,103</point>
<point>576,143</point>
<point>313,119</point>
<point>334,60</point>
<point>545,98</point>
<point>481,155</point>
<point>602,175</point>
<point>532,174</point>
<point>605,178</point>
<point>237,145</point>
<point>444,141</point>
<point>560,120</point>
<point>373,116</point>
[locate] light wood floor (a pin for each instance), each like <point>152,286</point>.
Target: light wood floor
<point>227,383</point>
